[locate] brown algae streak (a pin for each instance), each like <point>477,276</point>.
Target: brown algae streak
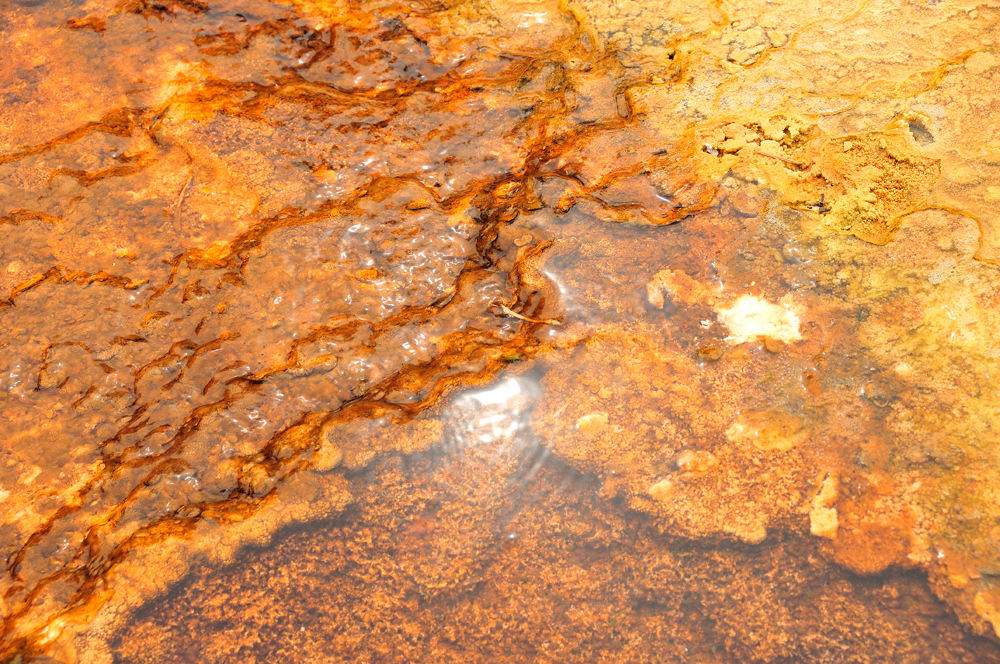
<point>258,248</point>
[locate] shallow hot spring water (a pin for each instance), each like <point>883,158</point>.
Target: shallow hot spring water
<point>491,331</point>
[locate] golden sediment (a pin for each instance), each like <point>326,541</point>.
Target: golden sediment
<point>639,328</point>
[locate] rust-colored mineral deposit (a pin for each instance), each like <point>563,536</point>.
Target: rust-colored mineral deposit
<point>499,331</point>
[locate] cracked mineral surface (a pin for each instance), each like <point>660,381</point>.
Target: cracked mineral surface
<point>479,330</point>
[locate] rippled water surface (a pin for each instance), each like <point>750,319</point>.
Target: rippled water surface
<point>499,331</point>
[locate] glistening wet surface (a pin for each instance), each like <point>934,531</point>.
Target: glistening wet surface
<point>494,331</point>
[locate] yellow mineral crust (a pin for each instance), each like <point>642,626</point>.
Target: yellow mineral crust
<point>986,607</point>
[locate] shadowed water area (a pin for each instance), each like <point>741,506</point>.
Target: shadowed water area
<point>499,331</point>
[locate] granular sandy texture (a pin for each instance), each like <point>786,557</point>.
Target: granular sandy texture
<point>543,570</point>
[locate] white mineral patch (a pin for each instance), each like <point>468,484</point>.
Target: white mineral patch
<point>823,521</point>
<point>751,317</point>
